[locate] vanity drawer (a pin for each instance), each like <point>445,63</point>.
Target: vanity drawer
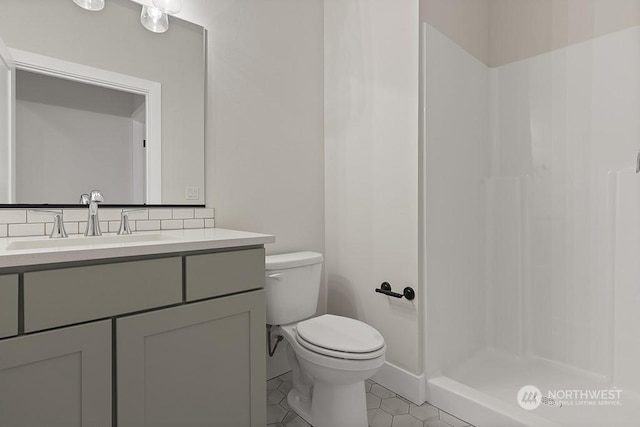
<point>78,294</point>
<point>8,305</point>
<point>212,275</point>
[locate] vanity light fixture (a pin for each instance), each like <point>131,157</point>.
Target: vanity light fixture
<point>92,5</point>
<point>156,18</point>
<point>169,6</point>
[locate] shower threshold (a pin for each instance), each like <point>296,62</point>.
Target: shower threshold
<point>484,391</point>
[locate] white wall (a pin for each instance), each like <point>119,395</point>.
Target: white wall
<point>264,120</point>
<point>525,28</point>
<point>498,32</point>
<point>457,163</point>
<point>465,22</point>
<point>371,168</point>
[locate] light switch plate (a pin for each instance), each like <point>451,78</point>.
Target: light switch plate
<point>193,193</point>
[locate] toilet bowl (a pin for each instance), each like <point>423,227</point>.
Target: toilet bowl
<point>337,394</point>
<point>330,355</point>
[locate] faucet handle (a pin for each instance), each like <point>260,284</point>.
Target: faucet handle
<point>125,229</point>
<point>58,222</point>
<point>96,196</point>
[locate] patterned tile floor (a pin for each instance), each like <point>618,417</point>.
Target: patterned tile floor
<point>385,408</point>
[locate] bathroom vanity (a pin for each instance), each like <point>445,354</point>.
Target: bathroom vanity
<point>164,329</point>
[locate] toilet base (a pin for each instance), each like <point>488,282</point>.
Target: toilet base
<point>332,405</point>
<point>300,405</point>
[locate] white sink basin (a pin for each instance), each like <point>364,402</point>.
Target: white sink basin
<point>87,241</point>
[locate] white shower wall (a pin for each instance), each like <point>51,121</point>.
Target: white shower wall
<point>532,230</point>
<point>626,204</point>
<point>564,120</point>
<point>457,163</point>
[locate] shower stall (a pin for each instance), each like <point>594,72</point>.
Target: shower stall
<point>532,214</point>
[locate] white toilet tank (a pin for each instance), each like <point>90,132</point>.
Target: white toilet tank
<point>292,286</point>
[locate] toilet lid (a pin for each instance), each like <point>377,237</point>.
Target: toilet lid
<point>339,334</point>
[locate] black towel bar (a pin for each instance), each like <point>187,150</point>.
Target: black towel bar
<point>385,288</point>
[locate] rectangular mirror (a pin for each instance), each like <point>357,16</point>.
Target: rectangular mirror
<point>102,103</point>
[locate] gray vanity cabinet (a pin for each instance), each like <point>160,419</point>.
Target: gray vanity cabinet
<point>120,343</point>
<point>65,296</point>
<point>59,378</point>
<point>235,271</point>
<point>199,364</point>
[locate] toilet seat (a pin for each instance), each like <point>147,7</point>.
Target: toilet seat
<point>340,337</point>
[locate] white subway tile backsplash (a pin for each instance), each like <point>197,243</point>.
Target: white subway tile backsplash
<point>20,230</point>
<point>35,216</point>
<point>171,224</point>
<point>76,215</point>
<point>22,222</point>
<point>71,227</point>
<point>109,214</point>
<point>148,225</point>
<point>139,214</point>
<point>194,223</point>
<point>203,213</point>
<point>82,227</point>
<point>181,213</point>
<point>114,226</point>
<point>160,213</point>
<point>13,216</point>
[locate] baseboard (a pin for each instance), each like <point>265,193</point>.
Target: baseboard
<point>402,382</point>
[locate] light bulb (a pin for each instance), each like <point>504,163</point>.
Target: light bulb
<point>154,19</point>
<point>169,6</point>
<point>92,5</point>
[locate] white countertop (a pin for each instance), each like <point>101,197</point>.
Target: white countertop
<point>92,248</point>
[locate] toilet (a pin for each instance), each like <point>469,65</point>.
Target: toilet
<point>330,356</point>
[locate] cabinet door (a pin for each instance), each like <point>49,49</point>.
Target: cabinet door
<point>8,305</point>
<point>200,364</point>
<point>59,378</point>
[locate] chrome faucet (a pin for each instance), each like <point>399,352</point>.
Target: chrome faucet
<point>125,228</point>
<point>93,222</point>
<point>58,230</point>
